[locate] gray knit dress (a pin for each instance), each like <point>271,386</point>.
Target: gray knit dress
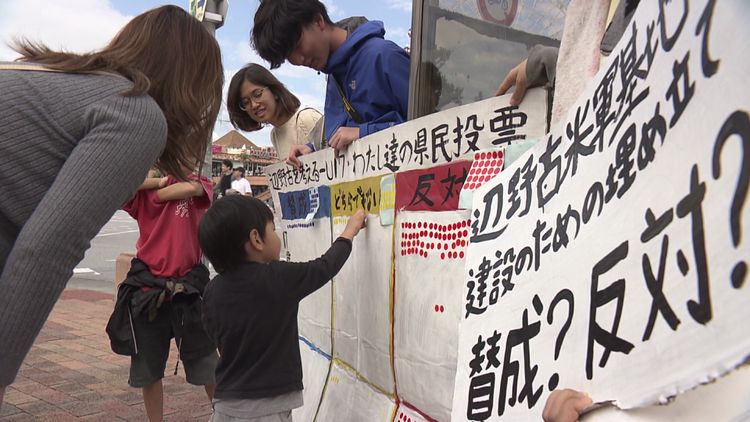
<point>72,151</point>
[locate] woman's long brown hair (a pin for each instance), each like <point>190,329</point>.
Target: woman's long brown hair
<point>168,55</point>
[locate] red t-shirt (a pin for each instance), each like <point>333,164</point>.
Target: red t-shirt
<point>168,241</point>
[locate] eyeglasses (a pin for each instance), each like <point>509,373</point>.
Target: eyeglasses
<point>245,102</point>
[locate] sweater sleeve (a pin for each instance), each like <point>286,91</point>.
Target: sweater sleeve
<point>299,279</point>
<point>125,136</point>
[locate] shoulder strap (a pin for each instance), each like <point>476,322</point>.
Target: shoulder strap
<point>296,121</point>
<point>40,68</point>
<point>318,142</point>
<point>26,66</point>
<point>347,105</point>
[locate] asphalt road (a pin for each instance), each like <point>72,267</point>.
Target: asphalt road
<point>97,270</point>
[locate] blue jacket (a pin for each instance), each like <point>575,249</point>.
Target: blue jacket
<point>374,74</point>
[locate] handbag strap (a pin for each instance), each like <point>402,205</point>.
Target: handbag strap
<point>347,105</point>
<point>26,66</point>
<point>40,68</point>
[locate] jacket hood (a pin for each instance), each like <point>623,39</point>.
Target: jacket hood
<point>362,31</point>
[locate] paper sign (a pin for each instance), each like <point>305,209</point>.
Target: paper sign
<point>387,199</point>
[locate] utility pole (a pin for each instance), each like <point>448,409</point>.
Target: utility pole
<point>212,14</point>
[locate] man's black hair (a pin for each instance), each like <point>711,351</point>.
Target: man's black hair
<point>226,227</point>
<point>226,163</point>
<point>241,170</point>
<point>278,27</point>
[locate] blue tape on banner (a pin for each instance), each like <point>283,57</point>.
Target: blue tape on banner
<point>296,205</point>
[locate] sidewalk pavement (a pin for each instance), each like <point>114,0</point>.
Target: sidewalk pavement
<point>71,374</point>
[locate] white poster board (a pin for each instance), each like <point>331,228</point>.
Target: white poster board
<point>428,307</point>
<point>612,257</point>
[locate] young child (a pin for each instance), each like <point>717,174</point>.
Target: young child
<point>250,308</point>
<point>161,296</point>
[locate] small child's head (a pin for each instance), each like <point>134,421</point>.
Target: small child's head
<point>238,229</point>
<point>239,173</point>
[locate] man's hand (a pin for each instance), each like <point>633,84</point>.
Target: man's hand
<point>516,77</point>
<point>343,137</point>
<point>295,152</point>
<point>565,406</point>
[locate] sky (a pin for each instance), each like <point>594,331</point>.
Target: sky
<point>85,25</point>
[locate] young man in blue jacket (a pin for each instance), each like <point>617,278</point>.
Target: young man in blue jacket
<point>368,76</point>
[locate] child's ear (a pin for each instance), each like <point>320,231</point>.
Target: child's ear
<point>256,242</point>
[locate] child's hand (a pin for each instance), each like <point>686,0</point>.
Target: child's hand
<point>356,222</point>
<point>565,406</point>
<point>163,182</point>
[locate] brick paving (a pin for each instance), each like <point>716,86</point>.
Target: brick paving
<point>72,375</point>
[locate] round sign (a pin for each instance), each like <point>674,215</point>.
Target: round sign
<point>502,12</point>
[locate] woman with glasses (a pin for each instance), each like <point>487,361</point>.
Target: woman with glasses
<point>78,134</point>
<point>257,98</point>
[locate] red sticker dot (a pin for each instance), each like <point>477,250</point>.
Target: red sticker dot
<point>442,256</point>
<point>465,233</point>
<point>461,254</point>
<point>483,155</point>
<point>442,309</point>
<point>437,308</point>
<point>438,246</point>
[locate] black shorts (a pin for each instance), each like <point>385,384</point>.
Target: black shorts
<point>153,340</point>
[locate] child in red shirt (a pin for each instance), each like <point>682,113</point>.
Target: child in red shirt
<point>163,291</point>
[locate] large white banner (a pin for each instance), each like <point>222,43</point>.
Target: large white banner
<point>420,165</point>
<point>612,258</point>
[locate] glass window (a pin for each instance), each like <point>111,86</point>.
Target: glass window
<point>464,48</point>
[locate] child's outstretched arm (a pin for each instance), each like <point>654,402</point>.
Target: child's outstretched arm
<point>180,190</point>
<point>565,406</point>
<point>304,278</point>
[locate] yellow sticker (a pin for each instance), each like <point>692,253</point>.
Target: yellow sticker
<point>347,198</point>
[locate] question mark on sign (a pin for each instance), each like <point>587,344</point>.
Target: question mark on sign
<point>738,123</point>
<point>566,295</point>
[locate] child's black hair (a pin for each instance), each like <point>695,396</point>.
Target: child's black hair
<point>226,227</point>
<point>278,27</point>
